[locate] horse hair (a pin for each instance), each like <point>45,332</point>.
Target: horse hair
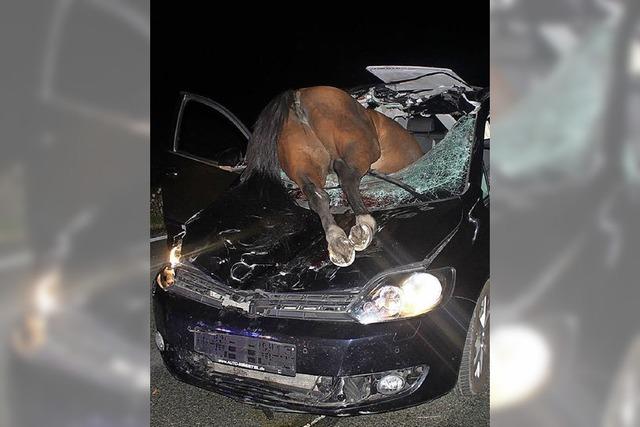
<point>262,150</point>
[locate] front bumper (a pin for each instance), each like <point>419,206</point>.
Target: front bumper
<point>323,348</point>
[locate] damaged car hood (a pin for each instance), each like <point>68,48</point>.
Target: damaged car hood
<point>255,237</point>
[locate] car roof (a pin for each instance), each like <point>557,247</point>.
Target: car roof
<point>410,77</point>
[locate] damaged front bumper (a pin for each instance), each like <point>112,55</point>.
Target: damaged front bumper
<point>337,367</point>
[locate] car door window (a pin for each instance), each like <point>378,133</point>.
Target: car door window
<point>207,131</point>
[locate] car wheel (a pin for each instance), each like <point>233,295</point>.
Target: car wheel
<point>473,376</point>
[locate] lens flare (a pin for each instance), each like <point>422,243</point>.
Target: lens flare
<point>45,298</point>
<point>423,291</point>
<point>174,255</point>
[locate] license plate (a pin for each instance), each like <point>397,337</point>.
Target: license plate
<point>247,352</point>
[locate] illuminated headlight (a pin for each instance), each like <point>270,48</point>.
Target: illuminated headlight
<point>45,302</point>
<point>174,255</point>
<point>166,277</point>
<point>403,293</point>
<point>46,298</point>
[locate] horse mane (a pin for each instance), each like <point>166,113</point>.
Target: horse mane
<point>262,149</point>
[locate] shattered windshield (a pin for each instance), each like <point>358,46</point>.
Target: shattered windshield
<point>440,173</point>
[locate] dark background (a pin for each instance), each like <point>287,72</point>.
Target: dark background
<point>242,61</point>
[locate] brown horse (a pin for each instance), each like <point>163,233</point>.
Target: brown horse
<point>312,131</point>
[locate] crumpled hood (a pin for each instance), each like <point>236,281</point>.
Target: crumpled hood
<point>257,237</point>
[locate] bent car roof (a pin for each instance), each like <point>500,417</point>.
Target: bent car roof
<point>411,77</point>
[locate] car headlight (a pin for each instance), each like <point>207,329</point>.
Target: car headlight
<point>166,276</point>
<point>174,255</point>
<point>31,333</point>
<point>402,293</point>
<point>46,295</point>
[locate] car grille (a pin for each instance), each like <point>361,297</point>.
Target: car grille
<point>305,306</point>
<point>194,285</point>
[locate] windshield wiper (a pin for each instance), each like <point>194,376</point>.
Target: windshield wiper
<point>409,189</point>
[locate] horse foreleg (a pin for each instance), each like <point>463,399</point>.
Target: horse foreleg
<point>362,233</point>
<point>341,250</point>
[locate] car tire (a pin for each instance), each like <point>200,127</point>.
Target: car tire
<point>473,376</point>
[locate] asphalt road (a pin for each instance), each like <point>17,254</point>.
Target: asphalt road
<point>174,403</point>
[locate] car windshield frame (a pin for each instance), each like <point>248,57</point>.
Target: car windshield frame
<point>392,194</point>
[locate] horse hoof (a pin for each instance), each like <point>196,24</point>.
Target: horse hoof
<point>341,252</point>
<point>361,236</point>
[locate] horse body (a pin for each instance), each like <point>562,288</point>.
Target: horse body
<point>313,131</point>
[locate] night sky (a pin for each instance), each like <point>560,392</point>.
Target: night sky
<point>242,62</point>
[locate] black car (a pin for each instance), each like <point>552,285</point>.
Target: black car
<point>249,304</point>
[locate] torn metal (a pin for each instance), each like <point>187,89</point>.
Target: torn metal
<point>439,108</point>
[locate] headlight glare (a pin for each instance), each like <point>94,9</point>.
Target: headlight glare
<point>423,291</point>
<point>46,298</point>
<point>167,275</point>
<point>401,294</point>
<point>174,255</point>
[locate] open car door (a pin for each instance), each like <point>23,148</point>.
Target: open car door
<point>209,144</point>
